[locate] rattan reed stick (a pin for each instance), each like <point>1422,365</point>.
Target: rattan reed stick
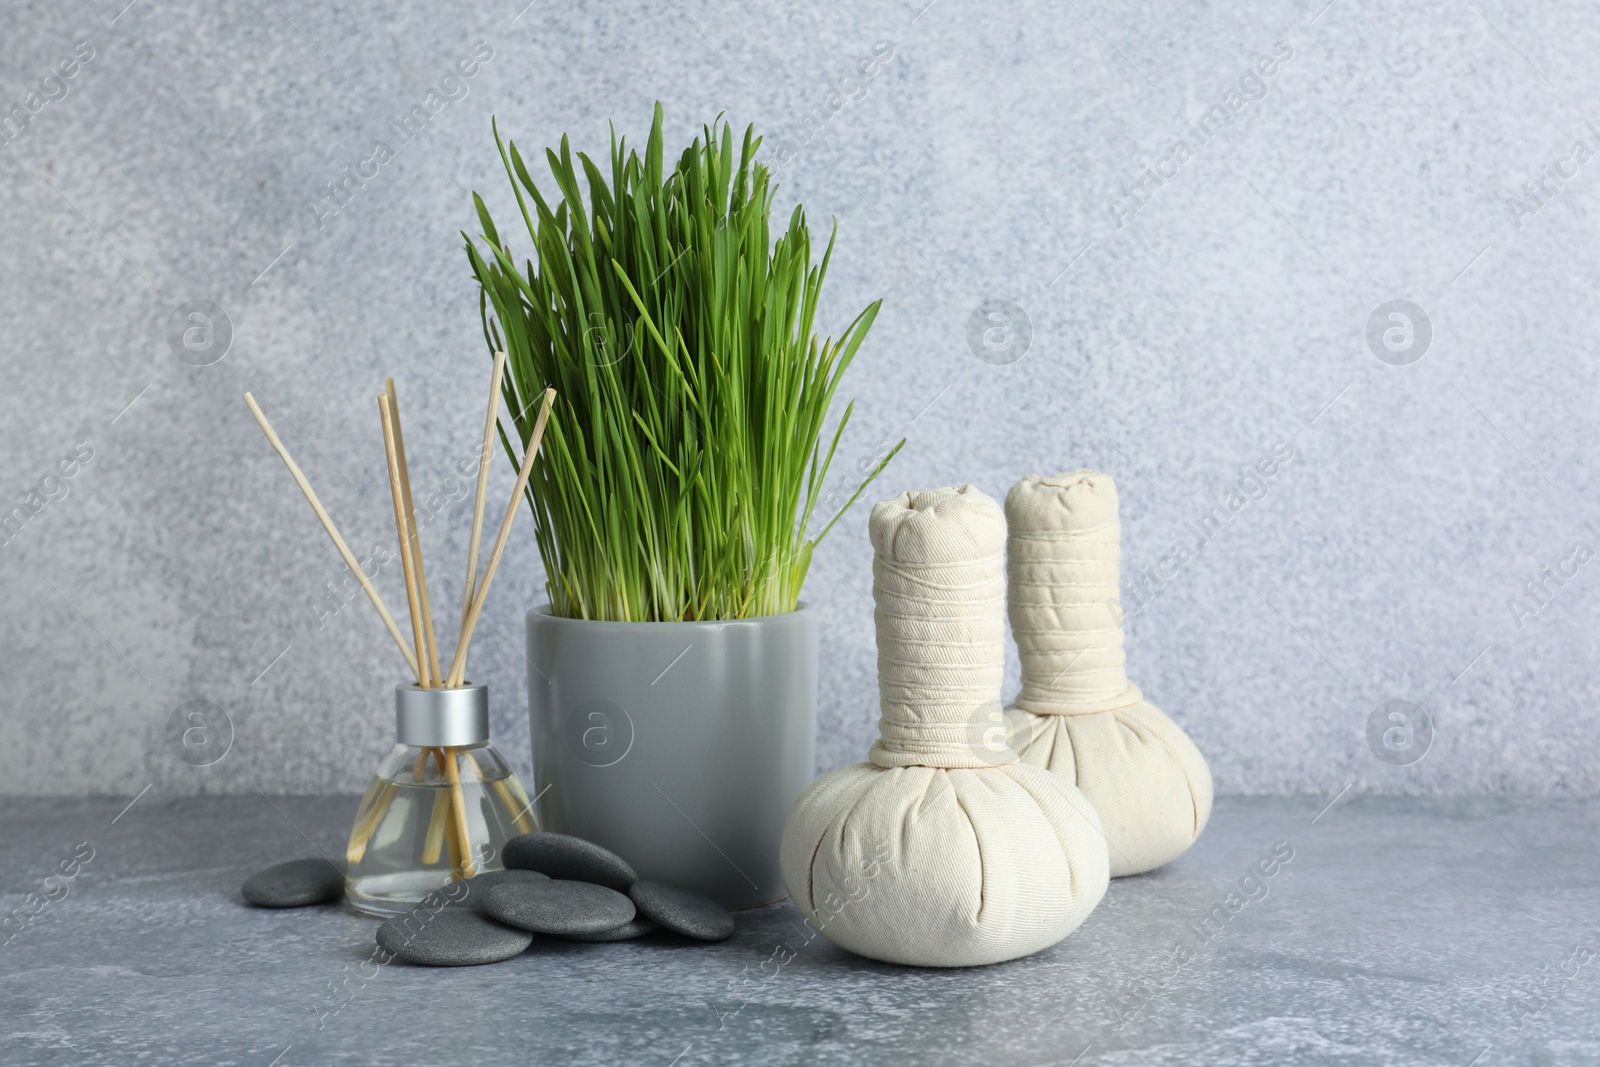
<point>458,664</point>
<point>458,809</point>
<point>333,532</point>
<point>481,496</point>
<point>407,565</point>
<point>434,675</point>
<point>517,808</point>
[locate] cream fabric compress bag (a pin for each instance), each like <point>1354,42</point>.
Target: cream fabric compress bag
<point>944,850</point>
<point>1077,713</point>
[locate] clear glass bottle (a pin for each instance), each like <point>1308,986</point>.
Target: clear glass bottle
<point>441,806</point>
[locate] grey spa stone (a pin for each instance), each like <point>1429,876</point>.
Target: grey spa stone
<point>450,937</point>
<point>474,892</point>
<point>560,907</point>
<point>638,927</point>
<point>295,884</point>
<point>682,911</point>
<point>565,857</point>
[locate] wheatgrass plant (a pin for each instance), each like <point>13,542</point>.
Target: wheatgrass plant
<point>685,457</point>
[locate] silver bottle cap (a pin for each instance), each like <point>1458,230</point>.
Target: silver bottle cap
<point>448,717</point>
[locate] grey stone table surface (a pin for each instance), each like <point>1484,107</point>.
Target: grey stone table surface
<point>1449,931</point>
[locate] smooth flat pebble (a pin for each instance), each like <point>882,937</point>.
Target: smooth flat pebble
<point>683,911</point>
<point>295,884</point>
<point>559,907</point>
<point>478,886</point>
<point>639,927</point>
<point>569,858</point>
<point>450,937</point>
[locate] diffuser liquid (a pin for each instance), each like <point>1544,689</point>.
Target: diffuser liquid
<point>407,840</point>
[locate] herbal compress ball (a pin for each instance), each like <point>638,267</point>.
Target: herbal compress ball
<point>1077,713</point>
<point>945,850</point>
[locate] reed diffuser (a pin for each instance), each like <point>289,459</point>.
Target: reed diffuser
<point>443,801</point>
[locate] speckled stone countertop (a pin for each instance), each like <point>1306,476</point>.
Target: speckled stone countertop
<point>1392,930</point>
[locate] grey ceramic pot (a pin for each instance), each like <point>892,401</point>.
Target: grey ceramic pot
<point>680,746</point>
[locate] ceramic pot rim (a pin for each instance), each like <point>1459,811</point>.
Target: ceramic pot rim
<point>802,614</point>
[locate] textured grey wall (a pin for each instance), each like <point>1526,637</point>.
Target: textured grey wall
<point>1184,320</point>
